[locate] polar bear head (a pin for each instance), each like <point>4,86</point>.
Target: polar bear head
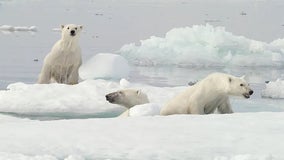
<point>127,98</point>
<point>239,87</point>
<point>71,31</point>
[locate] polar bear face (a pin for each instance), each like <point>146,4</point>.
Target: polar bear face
<point>71,31</point>
<point>239,87</point>
<point>127,98</point>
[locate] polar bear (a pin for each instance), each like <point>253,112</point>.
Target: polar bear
<point>63,61</point>
<point>127,98</point>
<point>207,95</point>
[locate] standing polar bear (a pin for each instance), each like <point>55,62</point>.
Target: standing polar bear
<point>207,95</point>
<point>63,61</point>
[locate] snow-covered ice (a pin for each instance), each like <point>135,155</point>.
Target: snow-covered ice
<point>124,83</point>
<point>240,136</point>
<point>87,99</point>
<point>105,65</point>
<point>148,109</point>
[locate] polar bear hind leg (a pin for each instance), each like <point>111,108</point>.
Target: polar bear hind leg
<point>45,75</point>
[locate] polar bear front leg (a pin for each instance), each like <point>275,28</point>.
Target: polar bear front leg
<point>225,107</point>
<point>45,75</point>
<point>195,108</point>
<point>73,76</point>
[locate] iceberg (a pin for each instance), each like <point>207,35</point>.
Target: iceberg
<point>204,46</point>
<point>105,65</point>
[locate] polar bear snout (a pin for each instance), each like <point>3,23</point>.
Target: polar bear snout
<point>72,33</point>
<point>247,95</point>
<point>111,97</point>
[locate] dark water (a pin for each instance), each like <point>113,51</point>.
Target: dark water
<point>57,116</point>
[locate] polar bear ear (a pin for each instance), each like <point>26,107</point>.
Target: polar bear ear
<point>81,27</point>
<point>243,77</point>
<point>62,26</point>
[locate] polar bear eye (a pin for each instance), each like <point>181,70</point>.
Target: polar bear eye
<point>241,84</point>
<point>76,28</point>
<point>67,27</point>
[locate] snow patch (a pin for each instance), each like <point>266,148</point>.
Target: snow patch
<point>217,137</point>
<point>246,157</point>
<point>105,65</point>
<point>17,156</point>
<point>56,29</point>
<point>8,28</point>
<point>148,109</point>
<point>86,97</point>
<point>124,83</point>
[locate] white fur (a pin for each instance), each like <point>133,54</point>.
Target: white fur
<point>63,61</point>
<point>127,98</point>
<point>207,95</point>
<point>124,114</point>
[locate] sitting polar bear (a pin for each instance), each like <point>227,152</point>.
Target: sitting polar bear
<point>63,61</point>
<point>127,98</point>
<point>207,95</point>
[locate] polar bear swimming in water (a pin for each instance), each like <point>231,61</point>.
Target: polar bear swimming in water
<point>63,61</point>
<point>207,95</point>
